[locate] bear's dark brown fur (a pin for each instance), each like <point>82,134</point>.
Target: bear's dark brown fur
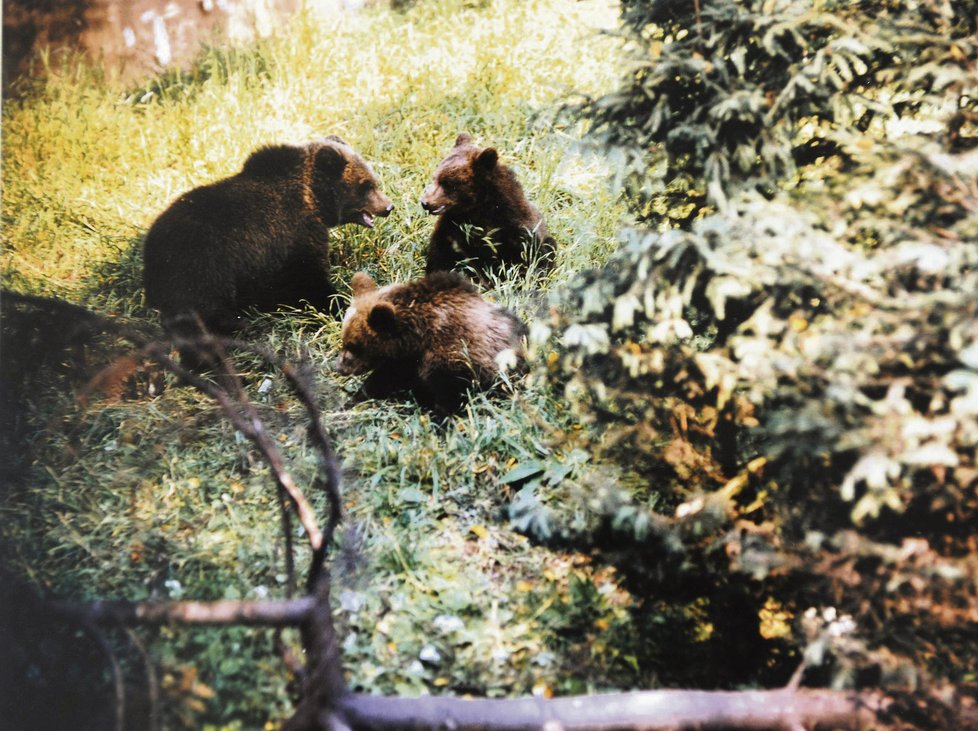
<point>435,337</point>
<point>484,219</point>
<point>258,238</point>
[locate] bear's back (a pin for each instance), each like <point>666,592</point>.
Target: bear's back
<point>216,241</point>
<point>455,319</point>
<point>275,161</point>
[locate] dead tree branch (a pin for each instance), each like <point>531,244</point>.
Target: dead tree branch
<point>300,378</point>
<point>245,419</point>
<point>324,687</point>
<point>117,683</point>
<point>150,614</point>
<point>656,710</point>
<point>327,703</point>
<point>152,684</point>
<point>233,400</point>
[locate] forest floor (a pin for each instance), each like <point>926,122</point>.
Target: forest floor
<point>155,496</point>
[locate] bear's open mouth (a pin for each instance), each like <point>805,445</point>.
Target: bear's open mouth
<point>438,211</point>
<point>366,219</point>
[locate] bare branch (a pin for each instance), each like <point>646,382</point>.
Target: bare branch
<point>148,614</point>
<point>289,543</point>
<point>795,682</point>
<point>235,404</point>
<point>249,424</point>
<point>117,683</point>
<point>300,379</point>
<point>152,685</point>
<point>324,686</point>
<point>639,711</point>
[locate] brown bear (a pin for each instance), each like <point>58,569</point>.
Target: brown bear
<point>484,219</point>
<point>433,338</point>
<point>258,238</point>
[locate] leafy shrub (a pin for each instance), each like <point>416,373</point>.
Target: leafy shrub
<point>748,94</point>
<point>795,375</point>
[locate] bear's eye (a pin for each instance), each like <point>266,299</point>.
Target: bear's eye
<point>366,186</point>
<point>448,185</point>
<point>353,348</point>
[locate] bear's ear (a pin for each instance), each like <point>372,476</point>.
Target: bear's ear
<point>362,283</point>
<point>463,139</point>
<point>330,161</point>
<point>487,159</point>
<point>382,317</point>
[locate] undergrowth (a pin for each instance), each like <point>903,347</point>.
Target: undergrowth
<point>156,497</point>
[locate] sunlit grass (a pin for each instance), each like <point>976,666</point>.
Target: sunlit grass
<point>87,168</point>
<point>158,498</point>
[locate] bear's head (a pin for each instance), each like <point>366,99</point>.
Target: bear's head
<point>343,186</point>
<point>373,331</point>
<point>462,179</point>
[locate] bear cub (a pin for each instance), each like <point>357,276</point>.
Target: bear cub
<point>484,219</point>
<point>258,238</point>
<point>433,338</point>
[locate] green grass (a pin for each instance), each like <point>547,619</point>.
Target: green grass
<point>156,497</point>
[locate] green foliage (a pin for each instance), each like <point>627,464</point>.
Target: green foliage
<point>725,95</point>
<point>792,377</point>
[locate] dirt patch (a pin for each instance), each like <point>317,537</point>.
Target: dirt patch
<point>136,38</point>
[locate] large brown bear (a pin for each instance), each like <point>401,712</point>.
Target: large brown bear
<point>484,219</point>
<point>433,338</point>
<point>259,238</point>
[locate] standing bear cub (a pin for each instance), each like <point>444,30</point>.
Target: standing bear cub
<point>484,219</point>
<point>259,238</point>
<point>433,338</point>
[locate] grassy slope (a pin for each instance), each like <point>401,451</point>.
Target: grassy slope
<point>157,497</point>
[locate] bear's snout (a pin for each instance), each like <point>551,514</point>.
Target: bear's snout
<point>382,206</point>
<point>431,203</point>
<point>342,366</point>
<point>348,364</point>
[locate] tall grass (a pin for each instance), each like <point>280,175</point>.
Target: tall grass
<point>87,167</point>
<point>157,498</point>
